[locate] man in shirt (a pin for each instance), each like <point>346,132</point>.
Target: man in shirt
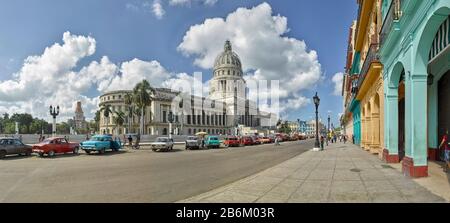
<point>444,143</point>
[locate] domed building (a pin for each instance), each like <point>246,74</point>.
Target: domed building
<point>230,111</point>
<point>227,78</point>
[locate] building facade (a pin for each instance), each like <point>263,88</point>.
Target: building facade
<point>226,110</point>
<point>416,57</point>
<point>368,87</point>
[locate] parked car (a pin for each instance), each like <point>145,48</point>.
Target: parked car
<point>162,144</point>
<point>256,140</point>
<point>265,140</point>
<point>11,146</point>
<point>247,141</point>
<point>212,142</point>
<point>232,141</point>
<point>55,145</point>
<point>101,143</point>
<point>193,142</point>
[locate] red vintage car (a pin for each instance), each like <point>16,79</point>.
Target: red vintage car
<point>232,141</point>
<point>55,145</point>
<point>247,141</point>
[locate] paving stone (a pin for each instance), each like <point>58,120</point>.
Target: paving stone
<point>345,174</point>
<point>349,197</point>
<point>320,175</point>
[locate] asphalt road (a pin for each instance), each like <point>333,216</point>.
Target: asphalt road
<point>135,175</point>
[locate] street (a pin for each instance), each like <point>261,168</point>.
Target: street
<point>136,175</point>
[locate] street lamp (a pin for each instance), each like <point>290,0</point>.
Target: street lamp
<point>328,129</point>
<point>54,112</point>
<point>316,103</point>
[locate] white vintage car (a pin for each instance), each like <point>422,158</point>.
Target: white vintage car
<point>162,144</point>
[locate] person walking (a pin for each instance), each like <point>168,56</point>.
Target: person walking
<point>444,143</point>
<point>130,140</point>
<point>345,138</point>
<point>138,140</point>
<point>322,139</point>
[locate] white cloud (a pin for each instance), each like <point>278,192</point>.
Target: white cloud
<point>337,80</point>
<point>259,38</point>
<point>51,79</point>
<point>158,9</point>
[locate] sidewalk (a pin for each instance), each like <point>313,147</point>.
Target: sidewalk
<point>341,173</point>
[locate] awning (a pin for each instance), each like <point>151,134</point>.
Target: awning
<point>441,41</point>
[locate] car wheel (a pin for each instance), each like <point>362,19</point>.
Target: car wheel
<point>2,154</point>
<point>51,153</point>
<point>28,153</point>
<point>76,150</point>
<point>88,151</point>
<point>41,154</point>
<point>171,148</point>
<point>154,150</point>
<point>101,151</point>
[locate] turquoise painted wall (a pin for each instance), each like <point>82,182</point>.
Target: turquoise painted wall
<point>409,44</point>
<point>356,111</point>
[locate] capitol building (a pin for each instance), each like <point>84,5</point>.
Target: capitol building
<point>226,110</point>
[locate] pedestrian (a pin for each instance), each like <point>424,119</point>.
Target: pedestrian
<point>130,140</point>
<point>345,138</point>
<point>87,137</point>
<point>138,140</point>
<point>43,138</point>
<point>277,141</point>
<point>353,139</point>
<point>203,142</point>
<point>40,138</point>
<point>444,143</point>
<point>322,139</point>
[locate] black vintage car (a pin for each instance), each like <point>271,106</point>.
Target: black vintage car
<point>10,146</point>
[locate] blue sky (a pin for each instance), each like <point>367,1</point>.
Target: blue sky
<point>128,29</point>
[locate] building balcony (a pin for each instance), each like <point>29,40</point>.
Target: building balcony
<point>370,70</point>
<point>393,16</point>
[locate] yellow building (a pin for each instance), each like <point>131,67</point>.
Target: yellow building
<point>369,84</point>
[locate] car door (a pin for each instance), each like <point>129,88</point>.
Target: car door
<point>8,145</point>
<point>66,146</point>
<point>19,146</point>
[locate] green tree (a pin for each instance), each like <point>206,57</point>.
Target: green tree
<point>119,120</point>
<point>142,99</point>
<point>128,99</point>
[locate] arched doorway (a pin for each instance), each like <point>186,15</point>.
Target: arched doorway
<point>376,125</point>
<point>443,107</point>
<point>401,116</point>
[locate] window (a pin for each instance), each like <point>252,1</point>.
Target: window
<point>189,119</point>
<point>189,131</point>
<point>228,72</point>
<point>164,117</point>
<point>199,119</point>
<point>207,119</point>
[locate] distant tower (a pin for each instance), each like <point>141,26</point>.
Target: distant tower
<point>79,119</point>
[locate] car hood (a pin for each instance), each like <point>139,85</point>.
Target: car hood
<point>158,143</point>
<point>192,141</point>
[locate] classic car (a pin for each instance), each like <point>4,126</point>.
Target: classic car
<point>192,142</point>
<point>162,144</point>
<point>212,142</point>
<point>266,140</point>
<point>101,143</point>
<point>11,146</point>
<point>256,140</point>
<point>247,141</point>
<point>231,141</point>
<point>55,145</point>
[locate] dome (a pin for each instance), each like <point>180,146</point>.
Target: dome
<point>228,59</point>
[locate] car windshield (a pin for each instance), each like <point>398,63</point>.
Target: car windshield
<point>162,140</point>
<point>192,138</point>
<point>47,141</point>
<point>213,138</point>
<point>100,139</point>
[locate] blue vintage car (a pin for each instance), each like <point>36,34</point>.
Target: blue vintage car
<point>101,143</point>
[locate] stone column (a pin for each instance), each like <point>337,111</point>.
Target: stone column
<point>390,153</point>
<point>375,143</point>
<point>368,131</point>
<point>415,162</point>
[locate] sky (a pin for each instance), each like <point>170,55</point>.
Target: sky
<point>61,51</point>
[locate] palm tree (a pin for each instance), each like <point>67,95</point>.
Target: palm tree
<point>106,109</point>
<point>128,99</point>
<point>142,99</point>
<point>119,120</point>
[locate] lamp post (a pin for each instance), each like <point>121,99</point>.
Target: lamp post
<point>54,111</point>
<point>316,103</point>
<point>328,129</point>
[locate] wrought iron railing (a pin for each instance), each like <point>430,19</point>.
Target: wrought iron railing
<point>394,14</point>
<point>372,56</point>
